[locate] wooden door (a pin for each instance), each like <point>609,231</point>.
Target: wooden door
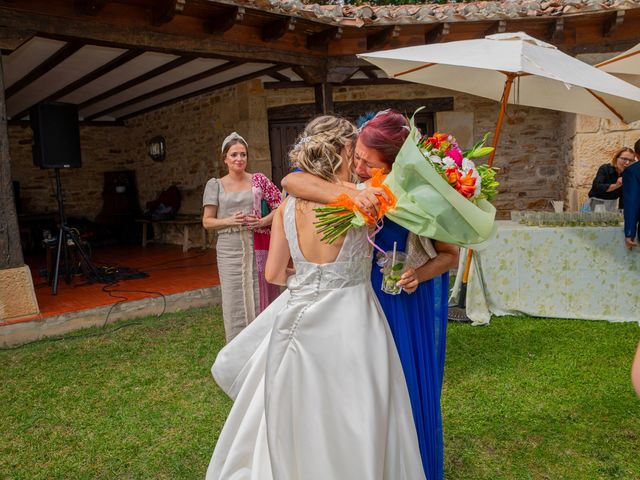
<point>287,122</point>
<point>282,136</point>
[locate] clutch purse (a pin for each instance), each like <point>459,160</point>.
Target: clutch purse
<point>264,208</point>
<point>419,250</point>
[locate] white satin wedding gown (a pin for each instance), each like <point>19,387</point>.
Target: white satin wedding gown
<point>318,386</point>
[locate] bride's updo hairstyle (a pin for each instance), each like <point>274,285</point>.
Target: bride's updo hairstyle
<point>386,132</point>
<point>317,150</point>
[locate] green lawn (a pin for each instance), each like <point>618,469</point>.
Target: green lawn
<point>523,399</point>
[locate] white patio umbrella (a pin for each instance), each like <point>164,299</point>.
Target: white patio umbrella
<point>625,66</point>
<point>541,75</point>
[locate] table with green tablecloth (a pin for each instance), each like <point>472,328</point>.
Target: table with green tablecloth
<point>557,272</point>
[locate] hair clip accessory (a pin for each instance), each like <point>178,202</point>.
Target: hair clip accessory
<point>302,141</point>
<point>230,138</point>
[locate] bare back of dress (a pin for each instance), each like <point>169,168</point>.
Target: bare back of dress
<point>351,266</point>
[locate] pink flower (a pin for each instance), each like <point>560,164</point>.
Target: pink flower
<point>456,154</point>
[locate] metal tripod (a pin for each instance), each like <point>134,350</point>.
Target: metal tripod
<point>67,236</point>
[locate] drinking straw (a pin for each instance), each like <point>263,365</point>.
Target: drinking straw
<point>393,259</point>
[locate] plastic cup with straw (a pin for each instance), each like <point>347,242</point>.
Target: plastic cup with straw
<point>392,271</point>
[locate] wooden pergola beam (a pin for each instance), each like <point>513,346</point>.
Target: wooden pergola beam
<point>369,72</point>
<point>340,74</point>
<point>165,10</point>
<point>89,77</point>
<point>437,34</point>
<point>612,23</point>
<point>224,21</point>
<point>202,91</point>
<point>320,40</point>
<point>496,27</point>
<point>12,38</point>
<point>352,82</point>
<point>280,77</point>
<point>167,88</point>
<point>276,29</point>
<point>89,7</point>
<point>178,62</point>
<point>311,75</point>
<point>556,31</point>
<point>243,41</point>
<point>53,61</point>
<point>173,40</point>
<point>381,38</point>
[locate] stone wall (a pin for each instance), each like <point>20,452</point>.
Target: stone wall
<point>531,154</point>
<point>101,152</point>
<point>17,296</point>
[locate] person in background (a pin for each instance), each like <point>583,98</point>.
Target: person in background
<point>631,191</point>
<point>232,207</point>
<point>635,372</point>
<point>607,185</point>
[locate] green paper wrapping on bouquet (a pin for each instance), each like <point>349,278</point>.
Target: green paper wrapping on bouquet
<point>428,206</point>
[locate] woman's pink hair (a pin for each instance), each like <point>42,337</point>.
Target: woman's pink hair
<point>386,133</point>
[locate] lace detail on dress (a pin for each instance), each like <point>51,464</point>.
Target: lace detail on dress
<point>351,267</point>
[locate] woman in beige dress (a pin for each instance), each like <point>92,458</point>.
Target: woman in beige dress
<point>232,208</point>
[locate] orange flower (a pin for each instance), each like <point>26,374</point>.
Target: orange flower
<point>376,181</point>
<point>467,185</point>
<point>453,175</point>
<point>438,139</point>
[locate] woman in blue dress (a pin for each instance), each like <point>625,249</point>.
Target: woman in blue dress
<point>418,316</point>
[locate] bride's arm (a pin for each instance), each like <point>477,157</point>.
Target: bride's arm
<point>276,271</point>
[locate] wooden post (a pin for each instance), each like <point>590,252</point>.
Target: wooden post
<point>10,247</point>
<point>324,97</point>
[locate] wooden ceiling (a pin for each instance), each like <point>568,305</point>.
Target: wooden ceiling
<point>119,58</point>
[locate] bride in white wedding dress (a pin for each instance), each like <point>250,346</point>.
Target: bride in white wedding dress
<point>318,386</point>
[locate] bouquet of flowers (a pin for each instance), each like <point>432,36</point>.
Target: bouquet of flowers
<point>458,168</point>
<point>435,191</point>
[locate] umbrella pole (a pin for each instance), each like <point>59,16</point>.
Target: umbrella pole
<point>503,110</point>
<point>457,313</point>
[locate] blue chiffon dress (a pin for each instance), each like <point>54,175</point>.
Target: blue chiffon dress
<point>418,322</point>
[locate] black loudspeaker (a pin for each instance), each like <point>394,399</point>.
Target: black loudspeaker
<point>56,135</point>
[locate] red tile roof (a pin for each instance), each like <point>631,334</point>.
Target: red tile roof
<point>358,16</point>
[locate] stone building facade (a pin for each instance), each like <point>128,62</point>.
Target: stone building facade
<point>543,155</point>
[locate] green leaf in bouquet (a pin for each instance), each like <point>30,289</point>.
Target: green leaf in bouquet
<point>479,144</point>
<point>489,185</point>
<point>479,152</point>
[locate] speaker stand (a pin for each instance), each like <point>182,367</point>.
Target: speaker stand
<point>68,236</point>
